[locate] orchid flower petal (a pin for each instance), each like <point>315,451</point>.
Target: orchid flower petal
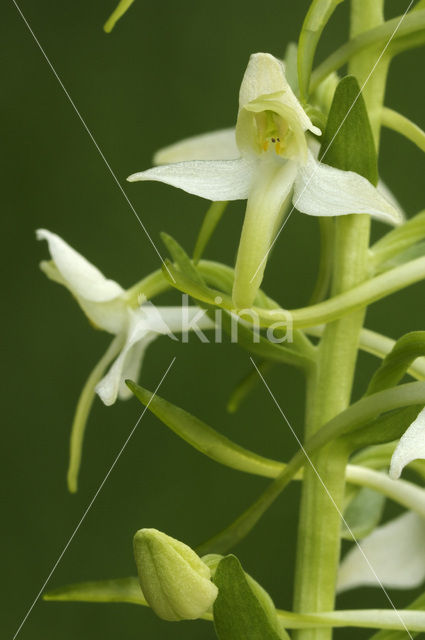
<point>132,365</point>
<point>263,215</point>
<point>214,180</point>
<point>385,191</point>
<point>81,277</point>
<point>265,75</point>
<point>396,553</point>
<point>322,190</point>
<point>108,388</point>
<point>217,145</point>
<point>411,446</point>
<point>160,321</point>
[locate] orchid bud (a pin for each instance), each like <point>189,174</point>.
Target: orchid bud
<point>175,581</point>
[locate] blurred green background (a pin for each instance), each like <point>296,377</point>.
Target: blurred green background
<point>168,70</point>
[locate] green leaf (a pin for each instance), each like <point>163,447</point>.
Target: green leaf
<point>243,610</point>
<point>397,362</point>
<point>315,21</point>
<point>347,142</point>
<point>418,605</point>
<point>114,590</point>
<point>363,514</point>
<point>205,439</point>
<point>211,220</point>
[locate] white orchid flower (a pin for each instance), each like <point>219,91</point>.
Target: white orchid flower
<point>107,306</point>
<point>411,446</point>
<point>395,555</point>
<point>266,160</point>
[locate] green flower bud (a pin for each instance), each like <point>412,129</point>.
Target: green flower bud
<point>175,581</point>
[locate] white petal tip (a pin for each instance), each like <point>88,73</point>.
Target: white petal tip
<point>106,395</point>
<point>42,234</point>
<point>135,177</point>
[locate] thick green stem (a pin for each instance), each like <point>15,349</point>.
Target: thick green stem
<point>329,391</point>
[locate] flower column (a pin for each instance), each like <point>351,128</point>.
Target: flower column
<point>329,391</point>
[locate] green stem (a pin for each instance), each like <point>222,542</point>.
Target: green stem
<point>329,391</point>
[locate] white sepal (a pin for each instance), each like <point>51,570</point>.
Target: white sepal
<point>217,145</point>
<point>396,553</point>
<point>82,278</point>
<point>411,446</point>
<point>216,180</point>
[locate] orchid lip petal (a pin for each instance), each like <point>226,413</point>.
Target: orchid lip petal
<point>411,446</point>
<point>216,180</point>
<point>322,190</point>
<point>262,218</point>
<point>215,145</point>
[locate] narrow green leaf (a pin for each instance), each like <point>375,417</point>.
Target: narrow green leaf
<point>315,21</point>
<point>245,387</point>
<point>418,605</point>
<point>211,220</point>
<point>243,611</point>
<point>363,514</point>
<point>347,142</point>
<point>114,590</point>
<point>181,258</point>
<point>397,362</point>
<point>205,439</point>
